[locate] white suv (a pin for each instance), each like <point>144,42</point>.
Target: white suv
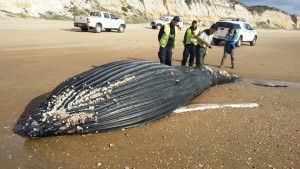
<point>158,23</point>
<point>244,31</point>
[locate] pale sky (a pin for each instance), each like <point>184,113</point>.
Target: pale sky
<point>289,6</point>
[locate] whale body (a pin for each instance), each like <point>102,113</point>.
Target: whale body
<point>118,95</point>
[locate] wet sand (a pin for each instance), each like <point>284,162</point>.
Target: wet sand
<point>37,55</point>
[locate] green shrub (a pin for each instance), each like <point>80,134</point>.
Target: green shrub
<point>76,11</point>
<point>135,20</point>
<point>124,9</point>
<point>51,16</point>
<point>257,8</point>
<point>262,8</point>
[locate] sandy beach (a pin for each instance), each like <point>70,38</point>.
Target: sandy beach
<point>37,55</point>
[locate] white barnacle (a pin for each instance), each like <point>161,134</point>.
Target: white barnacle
<point>79,129</point>
<point>115,100</point>
<point>63,115</point>
<point>225,74</point>
<point>209,69</point>
<point>44,117</point>
<point>73,120</point>
<point>63,127</point>
<point>104,89</point>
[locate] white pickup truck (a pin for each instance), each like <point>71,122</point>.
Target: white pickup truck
<point>245,32</point>
<point>158,23</point>
<point>97,21</point>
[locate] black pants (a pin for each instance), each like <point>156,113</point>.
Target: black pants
<point>231,52</point>
<point>165,55</point>
<point>189,49</point>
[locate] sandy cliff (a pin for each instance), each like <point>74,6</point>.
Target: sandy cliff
<point>207,11</point>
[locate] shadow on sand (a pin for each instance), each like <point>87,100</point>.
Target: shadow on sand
<point>90,31</point>
<point>72,30</point>
<point>146,27</point>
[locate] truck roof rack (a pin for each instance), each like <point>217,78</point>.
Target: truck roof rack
<point>233,19</point>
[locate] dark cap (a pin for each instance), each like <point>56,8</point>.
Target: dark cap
<point>176,18</point>
<point>194,21</point>
<point>215,27</point>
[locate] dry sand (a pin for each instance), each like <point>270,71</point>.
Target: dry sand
<point>37,55</point>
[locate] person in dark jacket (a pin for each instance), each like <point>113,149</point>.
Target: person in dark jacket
<point>167,41</point>
<point>229,47</point>
<point>190,43</point>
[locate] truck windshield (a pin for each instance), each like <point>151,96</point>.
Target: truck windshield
<point>228,25</point>
<point>95,14</point>
<point>162,18</point>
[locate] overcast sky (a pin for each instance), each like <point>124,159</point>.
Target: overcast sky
<point>289,6</point>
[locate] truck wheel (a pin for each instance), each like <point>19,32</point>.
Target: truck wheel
<point>158,26</point>
<point>97,28</point>
<point>253,42</point>
<point>84,29</point>
<point>216,42</point>
<point>239,42</point>
<point>121,29</point>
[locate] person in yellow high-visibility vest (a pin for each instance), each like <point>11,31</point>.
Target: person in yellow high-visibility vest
<point>167,41</point>
<point>190,43</point>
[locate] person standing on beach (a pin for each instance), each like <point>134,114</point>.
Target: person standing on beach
<point>167,41</point>
<point>204,39</point>
<point>190,42</point>
<point>229,47</point>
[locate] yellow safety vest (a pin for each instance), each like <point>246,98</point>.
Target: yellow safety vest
<point>164,39</point>
<point>189,38</point>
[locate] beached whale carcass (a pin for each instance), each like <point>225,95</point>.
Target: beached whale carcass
<point>119,95</point>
